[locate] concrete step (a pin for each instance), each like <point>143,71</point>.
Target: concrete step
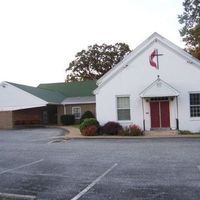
<point>161,133</point>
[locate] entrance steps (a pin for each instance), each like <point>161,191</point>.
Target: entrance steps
<point>161,133</point>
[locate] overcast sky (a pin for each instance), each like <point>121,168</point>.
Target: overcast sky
<point>38,38</point>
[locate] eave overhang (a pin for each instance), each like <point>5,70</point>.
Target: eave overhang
<point>159,88</point>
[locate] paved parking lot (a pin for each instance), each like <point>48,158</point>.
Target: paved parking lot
<point>30,164</point>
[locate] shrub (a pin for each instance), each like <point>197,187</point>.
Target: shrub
<point>67,119</point>
<point>88,122</point>
<point>112,128</point>
<point>86,115</point>
<point>89,130</point>
<point>87,127</point>
<point>133,130</point>
<point>100,130</point>
<point>186,132</point>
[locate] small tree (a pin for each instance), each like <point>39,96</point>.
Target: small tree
<point>191,26</point>
<point>86,115</point>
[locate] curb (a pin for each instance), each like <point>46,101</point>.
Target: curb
<point>67,136</point>
<point>132,137</point>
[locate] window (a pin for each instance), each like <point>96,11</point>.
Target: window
<point>76,111</point>
<point>159,99</point>
<point>123,108</point>
<point>195,105</point>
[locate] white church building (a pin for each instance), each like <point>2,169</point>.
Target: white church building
<point>157,86</point>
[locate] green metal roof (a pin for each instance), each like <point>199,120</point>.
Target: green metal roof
<point>47,95</point>
<point>72,89</point>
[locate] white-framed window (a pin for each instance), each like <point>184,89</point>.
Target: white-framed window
<point>194,104</point>
<point>123,108</point>
<point>76,111</point>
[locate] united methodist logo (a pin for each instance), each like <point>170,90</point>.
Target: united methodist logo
<point>154,62</point>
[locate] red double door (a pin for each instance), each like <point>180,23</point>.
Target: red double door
<point>160,114</point>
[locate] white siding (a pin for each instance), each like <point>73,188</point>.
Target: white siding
<point>13,98</point>
<point>133,79</point>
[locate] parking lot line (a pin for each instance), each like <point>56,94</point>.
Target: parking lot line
<point>94,183</point>
<point>45,175</point>
<point>17,196</point>
<point>21,166</point>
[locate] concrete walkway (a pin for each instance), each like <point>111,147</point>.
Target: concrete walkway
<point>161,133</point>
<point>74,133</point>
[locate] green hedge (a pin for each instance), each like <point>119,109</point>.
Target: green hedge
<point>89,127</point>
<point>67,119</point>
<point>89,122</point>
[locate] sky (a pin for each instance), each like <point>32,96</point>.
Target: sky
<point>39,38</point>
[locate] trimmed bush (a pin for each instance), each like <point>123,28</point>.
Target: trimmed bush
<point>67,119</point>
<point>86,115</point>
<point>112,128</point>
<point>89,130</point>
<point>100,130</point>
<point>132,130</point>
<point>89,127</point>
<point>88,122</point>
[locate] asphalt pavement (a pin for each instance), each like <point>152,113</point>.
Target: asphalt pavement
<point>34,164</point>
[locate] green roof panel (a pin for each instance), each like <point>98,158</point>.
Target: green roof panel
<point>72,89</point>
<point>47,95</point>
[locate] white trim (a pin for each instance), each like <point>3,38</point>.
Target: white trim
<point>126,59</point>
<point>73,103</point>
<point>34,101</point>
<point>65,110</point>
<point>166,85</point>
<point>194,119</point>
<point>193,92</point>
<point>14,108</point>
<point>74,113</point>
<point>33,96</point>
<point>190,117</point>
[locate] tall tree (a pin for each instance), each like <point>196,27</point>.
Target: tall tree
<point>93,63</point>
<point>191,26</point>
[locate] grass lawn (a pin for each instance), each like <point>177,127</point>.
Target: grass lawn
<point>186,132</point>
<point>76,125</point>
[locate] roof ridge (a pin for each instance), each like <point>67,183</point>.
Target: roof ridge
<point>58,91</point>
<point>12,83</point>
<point>72,89</point>
<point>67,82</point>
<point>23,85</point>
<point>137,51</point>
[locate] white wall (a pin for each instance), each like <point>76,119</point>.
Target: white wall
<point>13,98</point>
<point>132,80</point>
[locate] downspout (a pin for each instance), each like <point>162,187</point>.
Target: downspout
<point>143,114</point>
<point>65,112</point>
